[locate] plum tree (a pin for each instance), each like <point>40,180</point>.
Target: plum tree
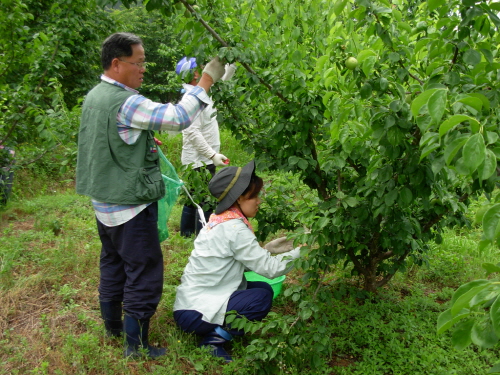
<point>374,160</point>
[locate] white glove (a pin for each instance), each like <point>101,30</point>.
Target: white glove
<point>230,70</point>
<point>219,160</point>
<point>279,245</point>
<point>214,69</point>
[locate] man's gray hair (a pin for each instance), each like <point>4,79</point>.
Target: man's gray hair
<point>117,45</point>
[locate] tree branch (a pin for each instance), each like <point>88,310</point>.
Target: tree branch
<point>39,156</point>
<point>225,44</point>
<point>322,185</point>
<point>355,261</point>
<point>454,60</point>
<point>411,75</point>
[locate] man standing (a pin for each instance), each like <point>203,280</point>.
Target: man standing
<point>200,142</point>
<point>118,168</point>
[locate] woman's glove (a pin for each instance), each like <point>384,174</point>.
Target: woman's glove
<point>219,160</point>
<point>279,245</point>
<point>214,69</point>
<point>230,70</point>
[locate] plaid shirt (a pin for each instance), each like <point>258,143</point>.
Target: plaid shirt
<point>137,114</point>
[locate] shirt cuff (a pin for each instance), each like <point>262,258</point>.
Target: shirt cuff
<point>201,94</point>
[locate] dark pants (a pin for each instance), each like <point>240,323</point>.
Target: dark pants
<point>254,303</point>
<point>131,264</point>
<point>190,219</point>
<point>6,179</point>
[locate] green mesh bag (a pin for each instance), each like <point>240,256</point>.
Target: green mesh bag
<point>173,186</point>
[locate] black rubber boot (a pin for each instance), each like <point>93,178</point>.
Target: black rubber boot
<point>136,339</point>
<point>188,220</point>
<point>111,313</point>
<point>215,341</point>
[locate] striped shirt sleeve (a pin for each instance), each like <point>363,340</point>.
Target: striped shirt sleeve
<point>141,113</point>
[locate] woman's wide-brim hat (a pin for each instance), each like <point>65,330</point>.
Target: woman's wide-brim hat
<point>229,183</point>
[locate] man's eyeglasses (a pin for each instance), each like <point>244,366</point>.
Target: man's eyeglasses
<point>139,64</point>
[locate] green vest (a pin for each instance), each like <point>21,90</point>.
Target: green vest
<point>108,169</point>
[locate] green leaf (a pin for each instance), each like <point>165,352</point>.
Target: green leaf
<point>489,165</point>
<point>390,197</point>
<point>297,57</point>
<point>495,369</point>
<point>495,316</point>
<point>483,98</point>
<point>452,121</point>
<point>404,26</point>
<point>461,337</point>
<point>322,222</point>
<point>394,57</point>
<point>303,164</point>
<point>434,4</point>
<point>366,91</point>
<point>466,287</point>
<point>384,35</point>
<point>446,320</point>
<point>490,222</point>
<point>485,296</point>
<point>480,213</point>
<point>437,104</point>
<point>472,57</point>
<point>487,55</point>
<point>339,6</point>
<point>368,64</point>
<point>451,149</point>
<point>483,335</point>
<point>320,63</point>
<point>420,101</point>
<point>351,201</point>
<point>428,149</point>
<point>305,313</point>
<point>405,196</point>
<point>463,301</point>
<point>490,268</point>
<point>473,102</point>
<point>381,10</point>
<point>363,55</point>
<point>474,152</point>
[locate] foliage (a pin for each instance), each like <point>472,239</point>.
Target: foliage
<point>49,304</point>
<point>474,314</point>
<point>196,182</point>
<point>49,62</point>
<point>278,202</point>
<point>397,148</point>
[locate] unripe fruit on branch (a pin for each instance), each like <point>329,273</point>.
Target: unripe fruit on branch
<point>351,63</point>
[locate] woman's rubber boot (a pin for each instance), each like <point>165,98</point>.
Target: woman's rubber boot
<point>136,339</point>
<point>188,221</point>
<point>215,341</point>
<point>111,313</point>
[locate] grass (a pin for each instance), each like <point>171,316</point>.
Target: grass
<point>50,322</point>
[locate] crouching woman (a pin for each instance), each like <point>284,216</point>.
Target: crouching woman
<point>213,281</point>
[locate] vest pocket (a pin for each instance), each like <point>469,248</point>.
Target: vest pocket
<point>149,185</point>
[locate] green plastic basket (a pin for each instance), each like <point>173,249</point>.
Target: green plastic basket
<point>275,283</point>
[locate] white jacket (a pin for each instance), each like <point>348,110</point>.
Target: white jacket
<point>201,140</point>
<point>216,268</point>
